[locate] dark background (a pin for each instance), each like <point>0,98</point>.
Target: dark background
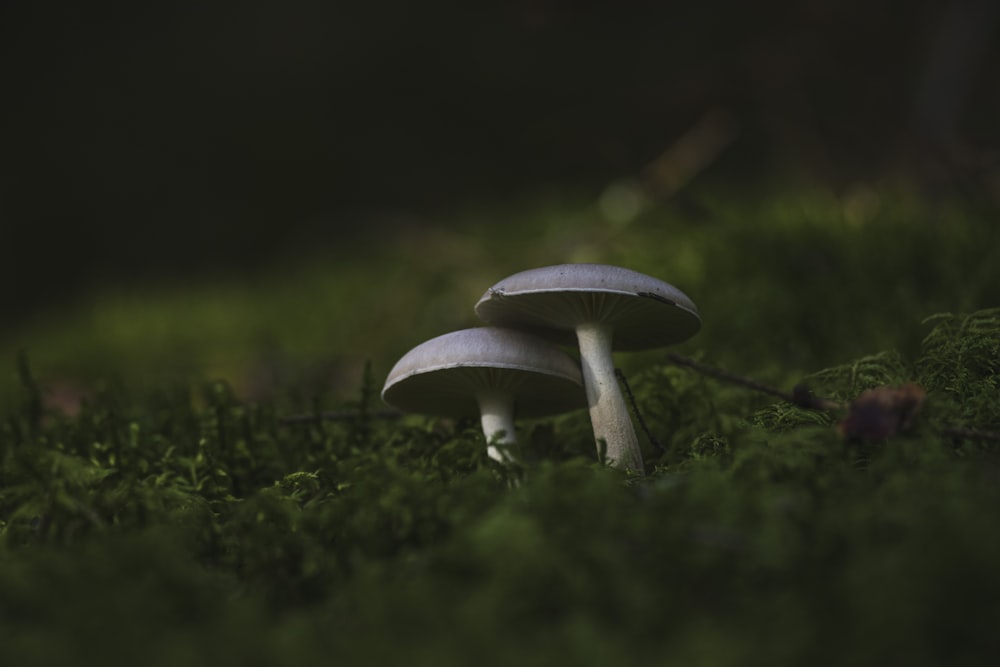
<point>143,140</point>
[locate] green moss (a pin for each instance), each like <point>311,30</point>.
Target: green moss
<point>165,523</point>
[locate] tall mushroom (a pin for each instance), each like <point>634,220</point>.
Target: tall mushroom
<point>603,306</point>
<point>487,371</point>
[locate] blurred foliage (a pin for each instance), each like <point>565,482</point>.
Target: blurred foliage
<point>787,285</point>
<point>175,140</point>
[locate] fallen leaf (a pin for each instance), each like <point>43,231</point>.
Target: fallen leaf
<point>882,412</point>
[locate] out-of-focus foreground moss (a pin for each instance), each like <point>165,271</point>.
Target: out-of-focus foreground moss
<point>167,522</point>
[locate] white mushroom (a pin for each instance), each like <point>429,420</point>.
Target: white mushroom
<point>487,371</point>
<point>602,305</point>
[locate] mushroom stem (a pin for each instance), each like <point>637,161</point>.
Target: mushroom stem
<point>496,411</point>
<point>608,412</point>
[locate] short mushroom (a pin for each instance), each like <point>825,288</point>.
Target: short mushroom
<point>601,305</point>
<point>487,371</point>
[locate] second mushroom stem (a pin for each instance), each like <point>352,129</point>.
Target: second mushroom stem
<point>497,416</point>
<point>608,412</point>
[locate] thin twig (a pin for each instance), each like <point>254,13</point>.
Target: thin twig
<point>638,415</point>
<point>800,396</point>
<point>970,433</point>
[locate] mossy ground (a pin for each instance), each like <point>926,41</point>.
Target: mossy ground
<point>171,522</point>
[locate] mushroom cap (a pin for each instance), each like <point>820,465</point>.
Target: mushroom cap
<point>443,375</point>
<point>552,301</point>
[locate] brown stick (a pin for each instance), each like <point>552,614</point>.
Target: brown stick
<point>970,433</point>
<point>638,415</point>
<point>800,396</point>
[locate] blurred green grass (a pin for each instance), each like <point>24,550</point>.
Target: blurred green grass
<point>787,284</point>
